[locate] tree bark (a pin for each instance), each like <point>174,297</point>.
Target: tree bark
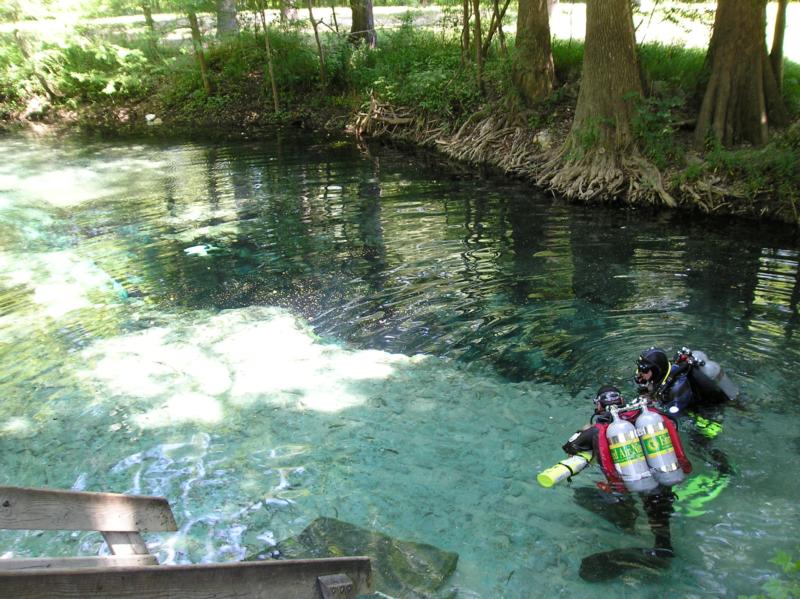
<point>476,8</point>
<point>776,54</point>
<point>227,25</point>
<point>741,98</point>
<point>315,25</point>
<point>197,42</point>
<point>268,48</point>
<point>533,72</point>
<point>465,32</point>
<point>363,27</point>
<point>152,34</point>
<point>147,11</point>
<point>600,157</point>
<point>496,25</point>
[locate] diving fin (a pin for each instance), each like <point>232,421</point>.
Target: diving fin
<point>608,565</point>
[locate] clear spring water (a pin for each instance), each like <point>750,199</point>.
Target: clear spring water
<point>270,332</point>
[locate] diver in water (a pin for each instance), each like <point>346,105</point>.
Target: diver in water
<point>691,382</point>
<point>695,388</point>
<point>647,465</point>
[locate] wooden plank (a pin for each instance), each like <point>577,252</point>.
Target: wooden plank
<point>125,543</point>
<point>289,579</point>
<point>89,561</point>
<point>50,509</point>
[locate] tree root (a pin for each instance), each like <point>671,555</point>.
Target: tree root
<point>600,174</point>
<point>596,175</point>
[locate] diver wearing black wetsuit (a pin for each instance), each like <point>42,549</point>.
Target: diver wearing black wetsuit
<point>620,508</point>
<point>683,389</point>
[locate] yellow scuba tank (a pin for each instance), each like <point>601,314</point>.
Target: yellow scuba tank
<point>628,455</point>
<point>658,449</point>
<point>565,469</point>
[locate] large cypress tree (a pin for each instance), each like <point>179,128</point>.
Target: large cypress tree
<point>227,25</point>
<point>533,59</point>
<point>741,99</point>
<point>600,155</point>
<point>363,26</point>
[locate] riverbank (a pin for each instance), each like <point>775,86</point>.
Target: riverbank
<point>415,90</point>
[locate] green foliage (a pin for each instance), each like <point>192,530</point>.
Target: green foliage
<point>416,67</point>
<point>772,170</point>
<point>587,137</point>
<point>791,86</point>
<point>87,69</point>
<point>787,586</point>
<point>15,78</point>
<point>654,127</point>
<point>677,67</point>
<point>567,59</point>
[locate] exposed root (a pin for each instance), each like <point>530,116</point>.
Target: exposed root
<point>380,120</point>
<point>599,174</point>
<point>501,140</point>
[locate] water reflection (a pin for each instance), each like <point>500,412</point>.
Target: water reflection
<point>119,370</point>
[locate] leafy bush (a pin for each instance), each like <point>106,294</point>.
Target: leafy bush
<point>87,69</point>
<point>567,59</point>
<point>654,127</point>
<point>678,67</point>
<point>785,587</point>
<point>14,76</point>
<point>417,67</point>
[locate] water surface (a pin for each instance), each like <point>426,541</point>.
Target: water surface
<point>270,332</point>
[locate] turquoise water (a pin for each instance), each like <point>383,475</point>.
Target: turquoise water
<point>269,332</point>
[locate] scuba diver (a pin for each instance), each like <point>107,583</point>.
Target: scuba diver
<point>692,381</point>
<point>694,388</point>
<point>639,451</point>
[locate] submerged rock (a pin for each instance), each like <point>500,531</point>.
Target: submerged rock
<point>401,569</point>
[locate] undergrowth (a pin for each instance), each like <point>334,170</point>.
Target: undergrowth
<point>417,68</point>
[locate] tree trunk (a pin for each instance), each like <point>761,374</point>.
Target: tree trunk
<point>227,25</point>
<point>741,97</point>
<point>776,54</point>
<point>333,14</point>
<point>476,8</point>
<point>465,32</point>
<point>147,11</point>
<point>197,42</point>
<point>363,27</point>
<point>533,71</point>
<point>600,156</point>
<point>496,25</point>
<point>152,33</point>
<point>270,70</point>
<point>315,25</point>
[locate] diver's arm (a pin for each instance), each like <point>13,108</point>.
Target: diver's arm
<point>582,440</point>
<point>677,397</point>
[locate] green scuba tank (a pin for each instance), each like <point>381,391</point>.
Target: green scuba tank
<point>565,469</point>
<point>658,449</point>
<point>628,455</point>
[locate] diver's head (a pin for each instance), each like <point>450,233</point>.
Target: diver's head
<point>652,367</point>
<point>607,396</point>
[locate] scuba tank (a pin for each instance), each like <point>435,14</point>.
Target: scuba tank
<point>628,456</point>
<point>658,449</point>
<point>710,378</point>
<point>565,469</point>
